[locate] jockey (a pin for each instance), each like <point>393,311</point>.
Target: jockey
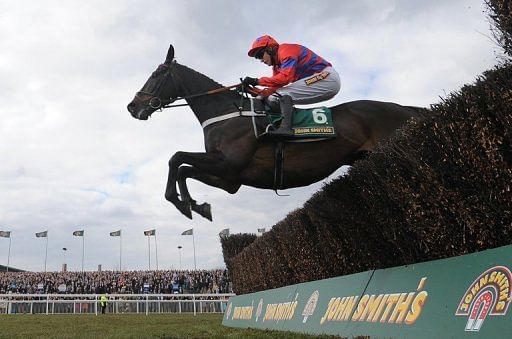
<point>299,76</point>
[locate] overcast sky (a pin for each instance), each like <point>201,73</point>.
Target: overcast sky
<point>73,158</point>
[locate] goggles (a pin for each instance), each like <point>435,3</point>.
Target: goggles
<point>259,54</point>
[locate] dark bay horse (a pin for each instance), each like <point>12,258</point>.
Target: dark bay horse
<point>235,156</point>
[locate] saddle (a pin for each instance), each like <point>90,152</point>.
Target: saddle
<point>308,125</point>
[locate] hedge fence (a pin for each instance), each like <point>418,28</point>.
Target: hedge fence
<point>440,187</point>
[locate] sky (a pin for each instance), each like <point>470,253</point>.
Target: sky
<point>73,158</point>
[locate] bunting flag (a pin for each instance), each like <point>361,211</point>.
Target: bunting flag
<point>42,234</point>
<point>224,232</point>
<point>78,233</point>
<point>150,232</point>
<point>115,233</point>
<point>261,230</point>
<point>5,234</point>
<point>188,232</point>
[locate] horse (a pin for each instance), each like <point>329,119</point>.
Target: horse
<point>236,156</point>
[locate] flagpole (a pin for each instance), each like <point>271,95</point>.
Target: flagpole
<point>194,244</point>
<point>9,253</point>
<point>83,251</point>
<point>149,254</point>
<point>156,252</point>
<point>46,253</point>
<point>179,250</point>
<point>120,251</point>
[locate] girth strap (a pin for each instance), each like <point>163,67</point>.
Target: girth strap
<point>278,165</point>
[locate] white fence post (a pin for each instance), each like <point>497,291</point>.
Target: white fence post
<point>194,301</point>
<point>96,304</point>
<point>47,301</point>
<point>147,304</point>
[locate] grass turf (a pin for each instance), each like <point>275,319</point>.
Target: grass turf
<point>128,326</point>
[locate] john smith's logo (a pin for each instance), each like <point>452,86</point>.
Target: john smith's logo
<point>489,294</point>
<point>259,309</point>
<point>309,309</point>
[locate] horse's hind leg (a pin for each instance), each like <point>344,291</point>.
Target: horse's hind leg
<point>204,209</point>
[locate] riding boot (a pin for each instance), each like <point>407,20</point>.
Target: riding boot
<point>285,129</point>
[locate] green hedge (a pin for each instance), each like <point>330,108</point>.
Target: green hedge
<point>501,14</point>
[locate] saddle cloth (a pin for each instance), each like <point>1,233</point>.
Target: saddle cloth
<point>307,123</point>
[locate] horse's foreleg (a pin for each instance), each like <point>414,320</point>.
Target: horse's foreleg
<point>204,209</point>
<point>210,163</point>
<point>171,194</point>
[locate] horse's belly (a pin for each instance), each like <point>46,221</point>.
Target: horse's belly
<point>303,165</point>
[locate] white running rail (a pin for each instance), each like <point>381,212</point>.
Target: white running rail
<point>117,303</point>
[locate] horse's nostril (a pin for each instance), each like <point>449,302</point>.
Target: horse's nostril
<point>131,107</point>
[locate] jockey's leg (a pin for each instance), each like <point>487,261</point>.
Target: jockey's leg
<point>285,129</point>
<point>319,87</point>
<point>305,92</point>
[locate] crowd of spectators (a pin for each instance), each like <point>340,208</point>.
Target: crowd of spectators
<point>131,282</point>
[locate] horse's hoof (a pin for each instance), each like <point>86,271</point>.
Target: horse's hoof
<point>204,210</point>
<point>184,208</point>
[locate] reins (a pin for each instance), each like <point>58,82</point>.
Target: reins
<point>213,91</point>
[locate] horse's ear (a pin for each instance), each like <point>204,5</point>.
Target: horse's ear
<point>170,55</point>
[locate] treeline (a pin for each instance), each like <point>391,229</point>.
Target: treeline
<point>440,187</point>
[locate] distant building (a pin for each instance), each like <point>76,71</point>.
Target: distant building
<point>11,269</point>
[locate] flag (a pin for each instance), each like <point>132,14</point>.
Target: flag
<point>5,234</point>
<point>78,233</point>
<point>42,234</point>
<point>261,230</point>
<point>115,233</point>
<point>188,232</point>
<point>224,232</point>
<point>150,232</point>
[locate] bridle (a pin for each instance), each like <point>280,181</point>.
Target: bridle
<point>155,102</point>
<point>159,104</point>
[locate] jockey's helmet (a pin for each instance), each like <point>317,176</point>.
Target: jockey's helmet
<point>261,43</point>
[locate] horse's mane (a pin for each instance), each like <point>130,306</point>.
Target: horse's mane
<point>199,78</point>
<point>206,107</point>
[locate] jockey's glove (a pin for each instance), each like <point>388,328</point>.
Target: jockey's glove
<point>248,81</point>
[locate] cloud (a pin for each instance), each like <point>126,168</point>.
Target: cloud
<point>73,158</point>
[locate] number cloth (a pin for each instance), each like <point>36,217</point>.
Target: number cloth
<point>313,122</point>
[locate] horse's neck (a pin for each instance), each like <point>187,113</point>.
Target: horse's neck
<point>206,106</point>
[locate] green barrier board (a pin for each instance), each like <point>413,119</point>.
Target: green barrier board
<point>460,297</point>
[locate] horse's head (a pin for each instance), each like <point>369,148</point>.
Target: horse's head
<point>158,91</point>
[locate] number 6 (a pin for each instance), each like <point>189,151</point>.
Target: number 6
<point>319,116</point>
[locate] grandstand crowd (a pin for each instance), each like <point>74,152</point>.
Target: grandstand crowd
<point>130,282</point>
